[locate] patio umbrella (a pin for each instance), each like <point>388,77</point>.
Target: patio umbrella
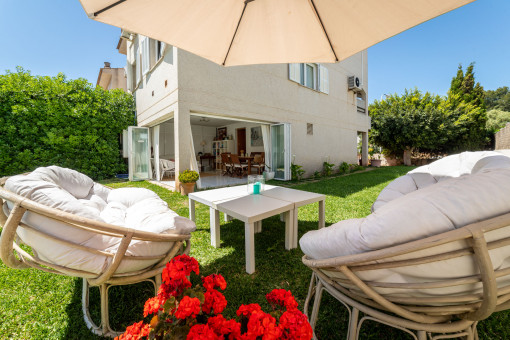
<point>237,32</point>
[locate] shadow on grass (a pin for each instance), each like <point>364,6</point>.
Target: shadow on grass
<point>125,303</point>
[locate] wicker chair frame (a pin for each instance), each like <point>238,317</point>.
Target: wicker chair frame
<point>15,257</point>
<point>440,317</point>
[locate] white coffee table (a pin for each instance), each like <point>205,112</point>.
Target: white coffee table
<point>252,209</point>
<point>299,198</point>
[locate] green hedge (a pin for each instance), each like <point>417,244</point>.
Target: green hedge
<point>55,121</point>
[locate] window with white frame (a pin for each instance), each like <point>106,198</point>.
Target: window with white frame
<point>160,48</point>
<point>145,54</point>
<point>314,76</point>
<point>157,50</point>
<point>138,66</point>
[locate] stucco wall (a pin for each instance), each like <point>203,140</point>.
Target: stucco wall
<point>503,138</point>
<point>261,93</point>
<point>265,93</point>
<point>157,93</point>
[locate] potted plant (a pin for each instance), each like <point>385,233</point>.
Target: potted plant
<point>188,178</point>
<point>375,156</point>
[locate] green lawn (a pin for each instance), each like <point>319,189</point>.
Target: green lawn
<point>38,305</point>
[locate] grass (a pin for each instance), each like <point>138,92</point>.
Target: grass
<point>38,305</point>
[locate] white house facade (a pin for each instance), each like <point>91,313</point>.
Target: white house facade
<point>295,113</point>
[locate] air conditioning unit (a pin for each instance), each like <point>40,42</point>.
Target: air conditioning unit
<point>354,84</point>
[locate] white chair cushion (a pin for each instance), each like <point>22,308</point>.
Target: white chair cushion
<point>136,208</point>
<point>415,214</point>
<point>449,204</point>
<point>423,176</point>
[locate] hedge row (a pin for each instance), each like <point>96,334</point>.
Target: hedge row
<point>55,121</point>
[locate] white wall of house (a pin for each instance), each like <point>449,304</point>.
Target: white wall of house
<point>265,93</point>
<point>181,84</point>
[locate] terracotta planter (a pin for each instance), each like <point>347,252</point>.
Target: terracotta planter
<point>186,188</point>
<point>376,162</point>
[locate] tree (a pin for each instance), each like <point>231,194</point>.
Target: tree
<point>56,121</point>
<point>430,123</point>
<point>464,89</point>
<point>465,110</point>
<point>498,99</point>
<point>401,124</point>
<point>496,120</point>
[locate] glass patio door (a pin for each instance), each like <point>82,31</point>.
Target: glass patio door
<point>138,153</point>
<point>280,151</point>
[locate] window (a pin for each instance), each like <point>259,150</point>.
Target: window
<point>313,76</point>
<point>145,55</point>
<point>138,68</point>
<point>160,48</point>
<point>309,129</point>
<point>310,76</point>
<point>361,102</point>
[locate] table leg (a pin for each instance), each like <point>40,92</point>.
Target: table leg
<point>295,228</point>
<point>289,227</point>
<point>191,209</point>
<point>214,220</point>
<point>249,238</point>
<point>258,227</point>
<point>249,166</point>
<point>322,214</point>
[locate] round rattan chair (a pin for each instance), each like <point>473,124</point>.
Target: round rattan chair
<point>439,308</point>
<point>15,257</point>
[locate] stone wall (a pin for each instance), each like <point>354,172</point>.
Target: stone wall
<point>503,138</point>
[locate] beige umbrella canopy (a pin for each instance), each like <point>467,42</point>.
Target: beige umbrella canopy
<point>237,32</point>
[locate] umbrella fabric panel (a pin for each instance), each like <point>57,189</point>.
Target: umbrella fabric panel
<point>203,27</point>
<point>365,23</point>
<point>280,31</point>
<point>237,32</point>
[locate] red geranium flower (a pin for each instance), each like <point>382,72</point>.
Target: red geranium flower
<point>222,326</point>
<point>188,307</point>
<point>282,298</point>
<point>179,268</point>
<point>135,331</point>
<point>295,324</point>
<point>214,300</point>
<point>263,324</point>
<point>202,332</point>
<point>214,280</point>
<point>247,310</point>
<point>153,305</point>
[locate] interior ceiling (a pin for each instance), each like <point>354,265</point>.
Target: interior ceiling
<point>209,121</point>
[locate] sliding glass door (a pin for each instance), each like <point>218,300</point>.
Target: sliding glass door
<point>138,153</point>
<point>280,151</point>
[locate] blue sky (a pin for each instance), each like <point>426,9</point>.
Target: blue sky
<point>54,36</point>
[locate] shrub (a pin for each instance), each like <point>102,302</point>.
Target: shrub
<point>296,171</point>
<point>355,167</point>
<point>327,168</point>
<point>317,175</point>
<point>343,168</point>
<point>188,176</point>
<point>55,121</point>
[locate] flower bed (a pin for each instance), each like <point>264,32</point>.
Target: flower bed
<point>182,312</point>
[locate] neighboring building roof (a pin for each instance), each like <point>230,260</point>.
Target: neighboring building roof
<point>112,78</point>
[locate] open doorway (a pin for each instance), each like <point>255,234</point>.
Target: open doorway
<point>214,136</point>
<point>241,140</point>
